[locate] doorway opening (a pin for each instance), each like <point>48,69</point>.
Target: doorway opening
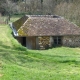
<point>24,41</point>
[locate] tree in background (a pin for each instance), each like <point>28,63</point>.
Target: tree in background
<point>69,9</point>
<point>41,6</point>
<point>9,8</point>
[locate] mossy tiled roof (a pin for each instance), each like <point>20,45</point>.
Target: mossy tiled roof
<point>17,24</point>
<point>45,26</point>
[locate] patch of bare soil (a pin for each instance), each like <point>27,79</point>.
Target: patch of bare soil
<point>1,75</point>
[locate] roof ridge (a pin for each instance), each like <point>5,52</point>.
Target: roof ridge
<point>48,16</point>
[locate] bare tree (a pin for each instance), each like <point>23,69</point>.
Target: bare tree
<point>10,8</point>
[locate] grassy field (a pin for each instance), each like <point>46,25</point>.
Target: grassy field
<point>19,63</point>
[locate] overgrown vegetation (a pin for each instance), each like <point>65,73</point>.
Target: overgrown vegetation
<point>19,63</point>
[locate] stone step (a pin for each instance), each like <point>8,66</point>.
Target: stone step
<point>40,43</point>
<point>42,48</point>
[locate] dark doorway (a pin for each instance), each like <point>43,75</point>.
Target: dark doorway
<point>57,41</point>
<point>24,41</point>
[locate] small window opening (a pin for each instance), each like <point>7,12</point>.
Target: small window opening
<point>57,41</point>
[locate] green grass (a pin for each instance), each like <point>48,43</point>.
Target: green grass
<point>19,63</point>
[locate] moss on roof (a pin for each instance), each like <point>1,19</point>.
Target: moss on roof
<point>17,24</point>
<point>45,26</point>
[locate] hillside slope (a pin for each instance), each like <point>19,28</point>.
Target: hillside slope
<point>18,63</point>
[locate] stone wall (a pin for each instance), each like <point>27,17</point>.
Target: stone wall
<point>71,41</point>
<point>44,42</point>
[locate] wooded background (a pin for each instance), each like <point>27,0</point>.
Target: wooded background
<point>70,9</point>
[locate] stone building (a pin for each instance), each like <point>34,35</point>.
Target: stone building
<point>45,31</point>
